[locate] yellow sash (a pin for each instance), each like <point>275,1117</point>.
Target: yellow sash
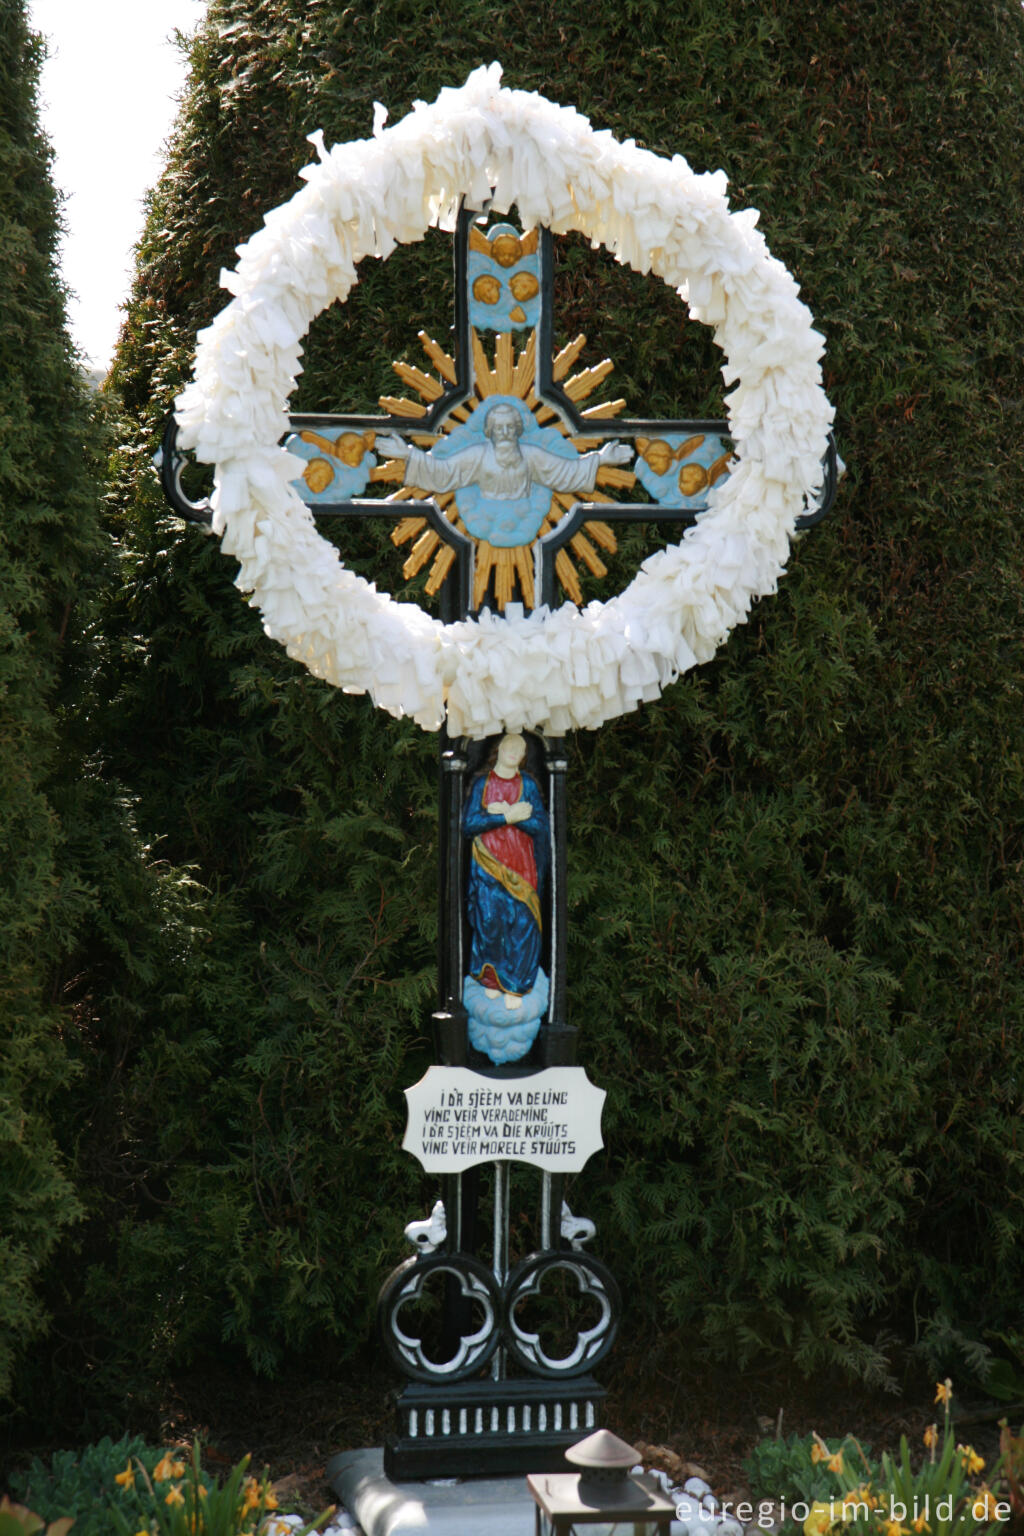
<point>516,886</point>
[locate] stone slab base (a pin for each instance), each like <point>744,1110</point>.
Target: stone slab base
<point>497,1506</point>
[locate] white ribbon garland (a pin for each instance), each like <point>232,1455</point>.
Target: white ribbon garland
<point>551,670</point>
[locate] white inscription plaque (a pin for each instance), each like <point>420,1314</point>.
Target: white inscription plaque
<point>458,1117</point>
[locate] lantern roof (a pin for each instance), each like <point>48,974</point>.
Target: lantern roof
<point>603,1452</point>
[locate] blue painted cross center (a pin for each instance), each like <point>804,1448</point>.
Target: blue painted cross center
<point>503,468</point>
<point>498,441</point>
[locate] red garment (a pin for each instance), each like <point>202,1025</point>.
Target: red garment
<point>509,845</point>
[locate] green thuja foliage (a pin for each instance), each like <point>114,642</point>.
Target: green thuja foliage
<point>796,881</point>
<point>48,539</point>
<point>98,933</point>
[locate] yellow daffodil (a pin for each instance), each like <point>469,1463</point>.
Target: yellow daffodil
<point>819,1520</point>
<point>943,1391</point>
<point>251,1495</point>
<point>835,1463</point>
<point>167,1467</point>
<point>921,1524</point>
<point>971,1460</point>
<point>269,1502</point>
<point>984,1506</point>
<point>931,1436</point>
<point>894,1528</point>
<point>126,1479</point>
<point>175,1497</point>
<point>818,1452</point>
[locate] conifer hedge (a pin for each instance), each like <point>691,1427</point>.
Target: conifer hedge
<point>796,882</point>
<point>49,537</point>
<point>48,533</point>
<point>93,926</point>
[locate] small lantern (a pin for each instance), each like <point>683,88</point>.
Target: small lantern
<point>600,1493</point>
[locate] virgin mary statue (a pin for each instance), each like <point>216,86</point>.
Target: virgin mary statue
<point>506,990</point>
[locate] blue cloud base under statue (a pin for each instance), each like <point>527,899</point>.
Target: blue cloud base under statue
<point>503,1033</point>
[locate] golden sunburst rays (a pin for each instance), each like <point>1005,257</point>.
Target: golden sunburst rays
<point>509,373</point>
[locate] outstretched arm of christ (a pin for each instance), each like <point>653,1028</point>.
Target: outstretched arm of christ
<point>575,474</point>
<point>430,473</point>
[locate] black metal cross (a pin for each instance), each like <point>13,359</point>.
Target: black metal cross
<point>494,522</point>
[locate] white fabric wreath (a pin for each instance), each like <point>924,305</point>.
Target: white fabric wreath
<point>550,670</point>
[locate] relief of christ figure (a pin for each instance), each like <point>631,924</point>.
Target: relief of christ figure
<point>511,481</point>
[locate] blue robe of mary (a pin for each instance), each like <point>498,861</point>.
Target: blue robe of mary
<point>502,906</point>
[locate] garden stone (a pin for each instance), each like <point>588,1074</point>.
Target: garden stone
<point>499,1506</point>
<point>688,1517</point>
<point>728,1525</point>
<point>668,1488</point>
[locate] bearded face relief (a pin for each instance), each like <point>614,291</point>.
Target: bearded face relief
<point>503,468</point>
